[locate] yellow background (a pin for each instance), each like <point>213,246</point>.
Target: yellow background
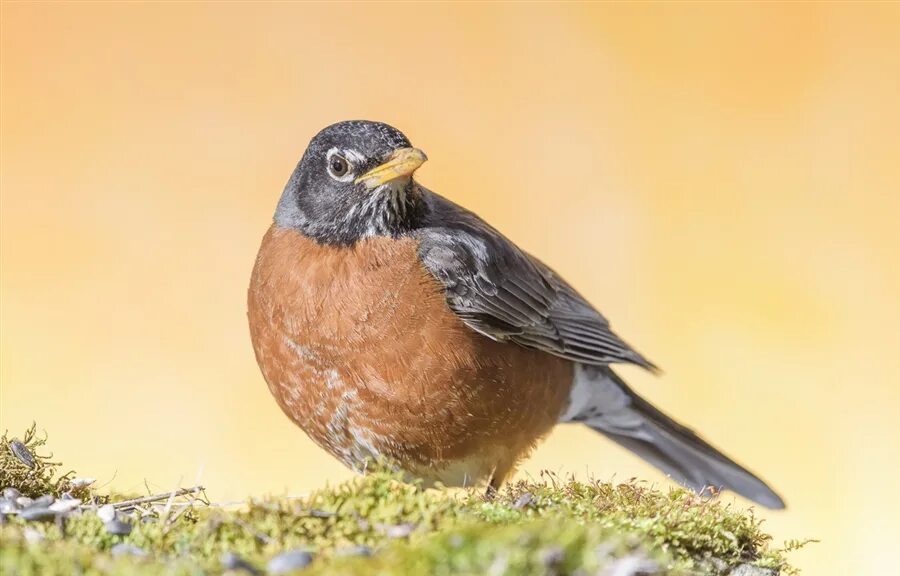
<point>721,180</point>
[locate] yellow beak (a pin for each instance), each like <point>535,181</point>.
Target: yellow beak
<point>401,164</point>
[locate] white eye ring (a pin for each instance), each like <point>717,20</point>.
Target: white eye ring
<point>335,159</point>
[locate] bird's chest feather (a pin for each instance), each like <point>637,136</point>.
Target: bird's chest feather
<point>359,347</point>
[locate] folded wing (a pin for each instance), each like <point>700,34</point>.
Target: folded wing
<point>506,294</point>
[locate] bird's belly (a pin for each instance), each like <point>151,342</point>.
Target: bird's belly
<point>360,349</point>
<point>440,420</point>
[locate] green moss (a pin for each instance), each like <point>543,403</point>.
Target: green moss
<point>537,546</point>
<point>550,526</point>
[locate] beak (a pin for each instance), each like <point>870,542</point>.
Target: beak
<point>401,164</point>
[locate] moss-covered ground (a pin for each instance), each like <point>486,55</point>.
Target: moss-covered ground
<point>373,525</point>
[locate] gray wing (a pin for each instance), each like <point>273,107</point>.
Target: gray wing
<point>508,295</point>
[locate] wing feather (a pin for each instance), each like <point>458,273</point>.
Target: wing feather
<point>503,292</point>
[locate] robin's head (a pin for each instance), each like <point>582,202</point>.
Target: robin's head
<point>354,181</point>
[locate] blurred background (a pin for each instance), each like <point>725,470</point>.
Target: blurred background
<point>721,180</point>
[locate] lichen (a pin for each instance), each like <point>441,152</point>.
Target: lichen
<point>23,467</point>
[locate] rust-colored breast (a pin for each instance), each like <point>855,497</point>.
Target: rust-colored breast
<point>360,349</point>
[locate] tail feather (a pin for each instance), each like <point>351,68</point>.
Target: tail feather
<point>676,450</point>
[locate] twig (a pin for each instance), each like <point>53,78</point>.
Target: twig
<point>156,497</point>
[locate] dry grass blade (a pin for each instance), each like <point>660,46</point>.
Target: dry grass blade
<point>135,502</point>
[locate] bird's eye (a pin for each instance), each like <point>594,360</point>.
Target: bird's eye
<point>338,166</point>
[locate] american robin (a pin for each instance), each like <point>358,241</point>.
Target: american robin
<point>390,323</point>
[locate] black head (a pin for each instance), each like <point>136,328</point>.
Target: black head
<point>354,181</point>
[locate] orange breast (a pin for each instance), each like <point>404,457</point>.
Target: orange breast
<point>360,349</point>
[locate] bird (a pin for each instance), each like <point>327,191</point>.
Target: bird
<point>392,324</point>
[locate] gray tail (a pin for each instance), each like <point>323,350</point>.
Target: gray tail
<point>677,450</point>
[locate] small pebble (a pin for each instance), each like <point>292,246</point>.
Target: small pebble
<point>231,561</point>
<point>81,482</point>
<point>289,561</point>
<point>106,513</point>
<point>524,500</point>
<point>123,549</point>
<point>65,505</point>
<point>118,528</point>
<point>631,566</point>
<point>360,550</point>
<point>553,557</point>
<point>35,514</point>
<point>11,493</point>
<point>398,531</point>
<point>715,565</point>
<point>42,501</point>
<point>8,506</point>
<point>21,452</point>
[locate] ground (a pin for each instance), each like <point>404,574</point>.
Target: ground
<point>373,525</point>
